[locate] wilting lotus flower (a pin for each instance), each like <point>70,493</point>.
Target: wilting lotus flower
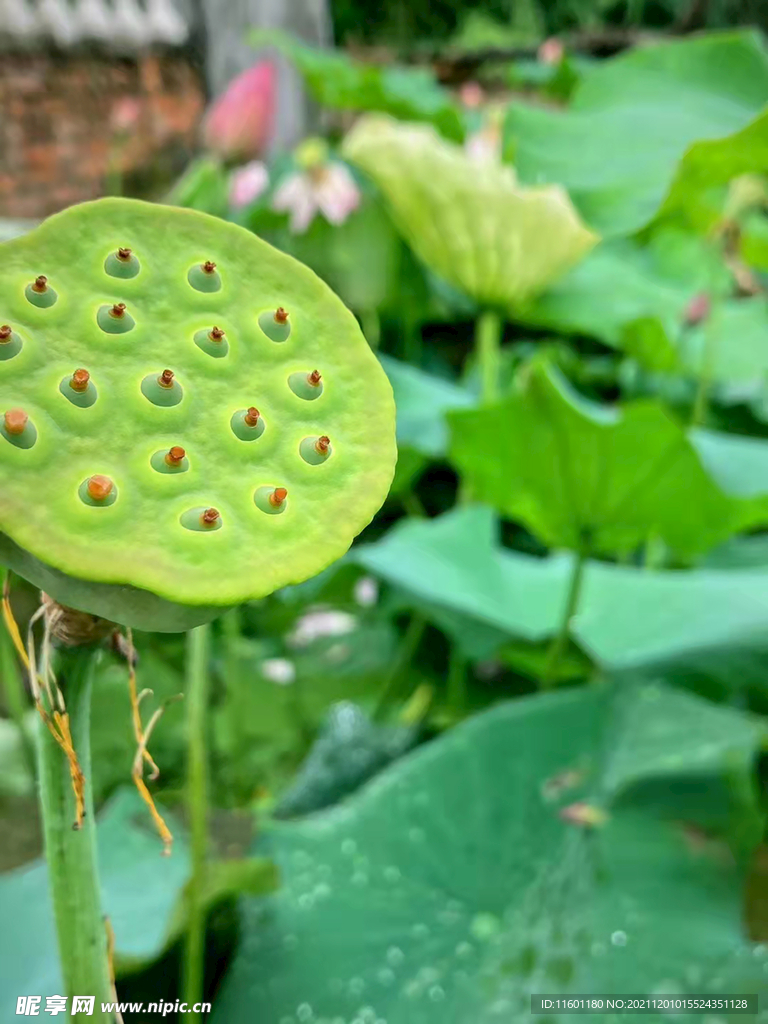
<point>239,123</point>
<point>321,185</point>
<point>470,221</point>
<point>247,183</point>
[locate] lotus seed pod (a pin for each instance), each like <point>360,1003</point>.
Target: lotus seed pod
<point>10,342</point>
<point>122,263</point>
<point>115,319</point>
<point>40,293</point>
<point>150,479</point>
<point>204,277</point>
<point>500,242</point>
<point>213,341</point>
<point>276,324</point>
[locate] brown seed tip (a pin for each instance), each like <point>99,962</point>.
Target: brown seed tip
<point>216,334</point>
<point>165,380</point>
<point>314,379</point>
<point>252,416</point>
<point>118,310</point>
<point>208,267</point>
<point>79,380</point>
<point>15,420</point>
<point>322,445</point>
<point>281,317</point>
<point>99,487</point>
<point>5,333</point>
<point>40,284</point>
<point>278,496</point>
<point>175,455</point>
<point>124,254</point>
<point>210,517</point>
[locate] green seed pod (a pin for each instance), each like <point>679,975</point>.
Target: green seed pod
<point>122,263</point>
<point>213,341</point>
<point>79,389</point>
<point>40,293</point>
<point>204,277</point>
<point>276,324</point>
<point>159,501</point>
<point>10,342</point>
<point>17,429</point>
<point>115,319</point>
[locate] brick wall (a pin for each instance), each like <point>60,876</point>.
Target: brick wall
<point>76,127</point>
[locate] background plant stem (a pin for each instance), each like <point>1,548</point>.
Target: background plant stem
<point>198,641</point>
<point>488,353</point>
<point>560,641</point>
<point>12,688</point>
<point>71,855</point>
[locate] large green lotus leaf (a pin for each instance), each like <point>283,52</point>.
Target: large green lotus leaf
<point>627,617</point>
<point>650,288</point>
<point>580,475</point>
<point>631,142</point>
<point>450,888</point>
<point>421,401</point>
<point>128,322</point>
<point>336,80</point>
<point>468,220</point>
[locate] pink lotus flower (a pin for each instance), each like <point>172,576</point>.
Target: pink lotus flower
<point>322,185</point>
<point>239,123</point>
<point>247,183</point>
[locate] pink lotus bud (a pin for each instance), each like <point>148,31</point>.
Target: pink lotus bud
<point>698,309</point>
<point>551,51</point>
<point>239,123</point>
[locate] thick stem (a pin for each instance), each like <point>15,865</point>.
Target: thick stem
<point>197,810</point>
<point>488,353</point>
<point>71,855</point>
<point>560,641</point>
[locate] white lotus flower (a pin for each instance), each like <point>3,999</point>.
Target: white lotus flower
<point>247,183</point>
<point>320,185</point>
<point>278,670</point>
<point>321,623</point>
<point>366,591</point>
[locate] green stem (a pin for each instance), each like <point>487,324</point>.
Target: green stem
<point>197,811</point>
<point>15,697</point>
<point>413,506</point>
<point>408,647</point>
<point>560,641</point>
<point>237,713</point>
<point>412,340</point>
<point>369,318</point>
<point>71,855</point>
<point>488,353</point>
<point>457,681</point>
<point>704,384</point>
